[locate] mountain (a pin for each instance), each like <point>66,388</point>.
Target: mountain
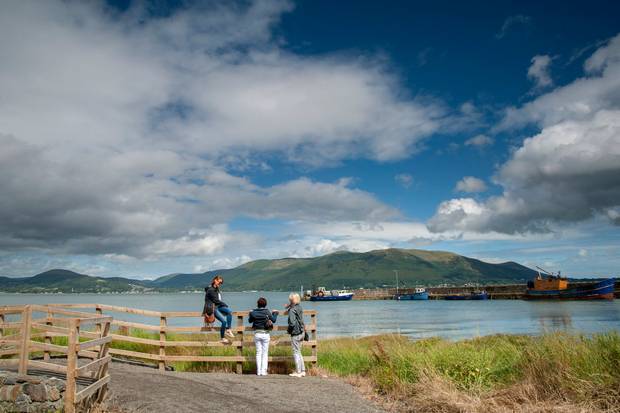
<point>65,281</point>
<point>354,270</point>
<point>336,270</point>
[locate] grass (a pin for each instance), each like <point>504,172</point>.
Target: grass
<point>556,372</point>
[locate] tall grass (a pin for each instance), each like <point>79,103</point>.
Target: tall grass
<point>495,373</point>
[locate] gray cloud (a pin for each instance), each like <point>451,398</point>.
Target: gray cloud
<point>568,172</point>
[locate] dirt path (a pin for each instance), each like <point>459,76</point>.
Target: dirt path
<point>142,389</point>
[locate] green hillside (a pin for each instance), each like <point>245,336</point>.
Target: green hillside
<point>372,269</point>
<point>65,281</point>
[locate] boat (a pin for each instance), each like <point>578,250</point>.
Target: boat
<point>321,294</point>
<point>474,295</point>
<point>419,294</point>
<point>549,286</point>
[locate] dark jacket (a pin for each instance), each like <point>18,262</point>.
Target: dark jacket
<point>212,300</point>
<point>259,316</point>
<point>295,320</point>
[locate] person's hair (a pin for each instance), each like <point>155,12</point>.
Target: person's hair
<point>216,278</point>
<point>262,302</point>
<point>294,298</point>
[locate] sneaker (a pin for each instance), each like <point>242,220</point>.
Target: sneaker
<point>302,374</point>
<point>225,341</point>
<point>295,375</point>
<point>230,334</point>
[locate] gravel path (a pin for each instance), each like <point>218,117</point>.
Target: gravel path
<point>143,389</point>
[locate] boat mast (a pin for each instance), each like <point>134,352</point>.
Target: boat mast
<point>396,272</point>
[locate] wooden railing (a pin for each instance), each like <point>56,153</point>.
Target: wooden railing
<point>123,331</point>
<point>24,330</point>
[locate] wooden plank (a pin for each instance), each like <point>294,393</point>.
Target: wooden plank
<point>17,324</point>
<point>140,340</point>
<point>287,358</point>
<point>210,358</point>
<point>129,310</point>
<point>10,351</point>
<point>134,354</point>
<point>135,325</point>
<point>162,339</point>
<point>71,367</point>
<point>37,345</point>
<point>94,343</point>
<point>25,352</point>
<point>42,365</point>
<point>90,390</point>
<point>9,362</point>
<point>55,310</point>
<point>93,365</point>
<point>172,314</point>
<point>6,341</point>
<point>240,340</point>
<point>95,319</point>
<point>103,370</point>
<point>51,328</point>
<point>11,309</point>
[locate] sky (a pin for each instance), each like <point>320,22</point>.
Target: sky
<point>146,138</point>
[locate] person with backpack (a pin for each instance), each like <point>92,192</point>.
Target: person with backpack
<point>215,307</point>
<point>296,329</point>
<point>262,322</point>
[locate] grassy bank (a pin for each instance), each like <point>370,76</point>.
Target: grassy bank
<point>555,372</point>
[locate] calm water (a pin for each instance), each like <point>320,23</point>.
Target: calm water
<point>448,319</point>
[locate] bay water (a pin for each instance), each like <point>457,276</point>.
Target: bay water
<point>417,319</point>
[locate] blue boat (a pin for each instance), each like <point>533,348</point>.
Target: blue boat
<point>334,295</point>
<point>419,294</point>
<point>474,295</point>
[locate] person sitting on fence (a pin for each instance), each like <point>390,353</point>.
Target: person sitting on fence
<point>262,322</point>
<point>296,329</point>
<point>214,305</point>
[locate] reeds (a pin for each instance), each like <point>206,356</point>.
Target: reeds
<point>556,372</point>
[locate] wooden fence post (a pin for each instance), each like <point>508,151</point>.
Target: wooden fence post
<point>1,322</point>
<point>24,354</point>
<point>48,338</point>
<point>162,339</point>
<point>314,338</point>
<point>103,370</point>
<point>70,389</point>
<point>240,346</point>
<point>99,312</point>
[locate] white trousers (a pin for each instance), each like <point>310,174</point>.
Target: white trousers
<point>262,352</point>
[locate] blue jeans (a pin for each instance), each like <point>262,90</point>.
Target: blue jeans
<point>220,312</point>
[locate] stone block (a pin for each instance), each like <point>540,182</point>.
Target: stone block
<point>37,392</point>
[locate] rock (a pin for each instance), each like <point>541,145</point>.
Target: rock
<point>37,392</point>
<point>10,380</point>
<point>53,393</point>
<point>59,384</point>
<point>6,393</point>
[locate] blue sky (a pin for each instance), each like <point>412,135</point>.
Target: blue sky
<point>147,138</point>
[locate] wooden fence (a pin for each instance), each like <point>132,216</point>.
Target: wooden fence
<point>122,333</point>
<point>24,330</point>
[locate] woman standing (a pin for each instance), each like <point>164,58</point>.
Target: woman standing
<point>262,322</point>
<point>214,304</point>
<point>296,329</point>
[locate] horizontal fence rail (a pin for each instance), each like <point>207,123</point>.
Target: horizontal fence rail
<point>29,335</point>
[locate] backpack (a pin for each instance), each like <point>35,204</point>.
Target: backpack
<point>269,323</point>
